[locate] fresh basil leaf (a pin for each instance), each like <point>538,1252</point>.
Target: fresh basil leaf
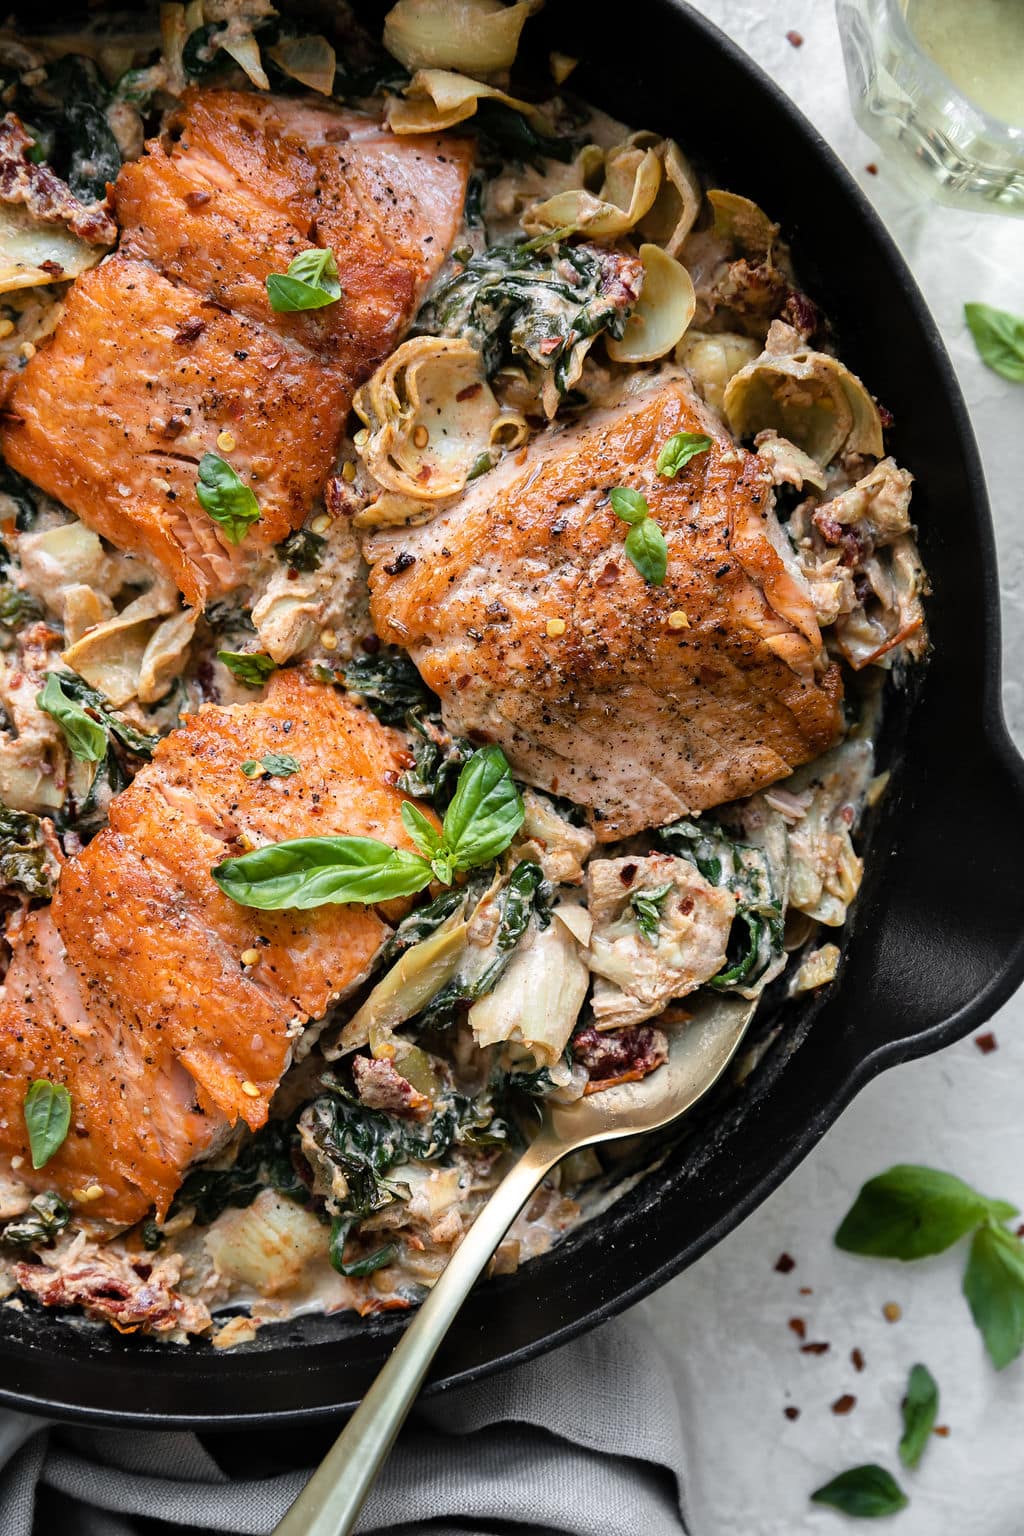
<point>629,505</point>
<point>95,704</point>
<point>279,765</point>
<point>311,282</point>
<point>647,911</point>
<point>422,831</point>
<point>226,498</point>
<point>866,1492</point>
<point>646,548</point>
<point>994,1287</point>
<point>679,450</point>
<point>250,667</point>
<point>910,1212</point>
<point>485,813</point>
<point>312,871</point>
<point>920,1410</point>
<point>47,1110</point>
<point>999,338</point>
<point>86,738</point>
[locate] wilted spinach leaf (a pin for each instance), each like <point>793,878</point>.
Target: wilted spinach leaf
<point>264,1159</point>
<point>25,860</point>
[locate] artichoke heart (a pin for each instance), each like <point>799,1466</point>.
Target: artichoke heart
<point>742,225</point>
<point>661,315</point>
<point>808,397</point>
<point>632,181</point>
<point>436,99</point>
<point>476,37</point>
<point>431,415</point>
<point>35,253</point>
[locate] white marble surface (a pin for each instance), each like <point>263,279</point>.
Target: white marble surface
<point>725,1320</point>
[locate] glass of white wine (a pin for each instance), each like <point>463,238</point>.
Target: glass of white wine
<point>943,81</point>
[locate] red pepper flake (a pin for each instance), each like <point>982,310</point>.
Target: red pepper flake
<point>784,1263</point>
<point>402,562</point>
<point>468,393</point>
<point>815,1349</point>
<point>986,1043</point>
<point>857,1359</point>
<point>871,168</point>
<point>806,1290</point>
<point>844,1404</point>
<point>942,1430</point>
<point>189,330</point>
<point>892,1311</point>
<point>799,1327</point>
<point>791,1412</point>
<point>796,39</point>
<point>609,576</point>
<point>197,199</point>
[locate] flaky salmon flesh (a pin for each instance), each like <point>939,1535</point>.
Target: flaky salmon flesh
<point>131,990</point>
<point>642,702</point>
<point>170,348</point>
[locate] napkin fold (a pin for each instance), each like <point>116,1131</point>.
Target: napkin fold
<point>586,1440</point>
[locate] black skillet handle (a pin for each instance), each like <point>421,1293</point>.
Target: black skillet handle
<point>939,935</point>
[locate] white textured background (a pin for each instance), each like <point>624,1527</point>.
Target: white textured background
<point>725,1320</point>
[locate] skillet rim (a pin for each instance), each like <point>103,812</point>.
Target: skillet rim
<point>981,1006</point>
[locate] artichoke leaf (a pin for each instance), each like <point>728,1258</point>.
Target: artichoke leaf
<point>662,313</point>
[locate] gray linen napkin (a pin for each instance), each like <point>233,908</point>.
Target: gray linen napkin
<point>586,1440</point>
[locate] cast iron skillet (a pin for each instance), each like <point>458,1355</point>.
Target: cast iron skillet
<point>937,938</point>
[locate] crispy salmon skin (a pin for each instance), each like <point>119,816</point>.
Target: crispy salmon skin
<point>132,990</point>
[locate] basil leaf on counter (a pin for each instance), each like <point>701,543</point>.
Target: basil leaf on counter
<point>647,911</point>
<point>910,1212</point>
<point>679,450</point>
<point>86,738</point>
<point>994,1287</point>
<point>646,547</point>
<point>920,1410</point>
<point>311,282</point>
<point>999,338</point>
<point>226,498</point>
<point>250,667</point>
<point>47,1110</point>
<point>314,871</point>
<point>629,505</point>
<point>485,813</point>
<point>867,1492</point>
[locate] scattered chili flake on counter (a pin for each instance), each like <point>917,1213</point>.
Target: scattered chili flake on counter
<point>892,1311</point>
<point>942,1430</point>
<point>815,1349</point>
<point>806,1290</point>
<point>791,1412</point>
<point>986,1043</point>
<point>795,38</point>
<point>799,1327</point>
<point>857,1359</point>
<point>871,168</point>
<point>844,1404</point>
<point>784,1263</point>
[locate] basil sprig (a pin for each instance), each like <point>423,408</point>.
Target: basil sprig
<point>920,1410</point>
<point>250,667</point>
<point>47,1110</point>
<point>999,338</point>
<point>868,1491</point>
<point>86,737</point>
<point>645,542</point>
<point>485,813</point>
<point>911,1212</point>
<point>679,450</point>
<point>311,282</point>
<point>226,498</point>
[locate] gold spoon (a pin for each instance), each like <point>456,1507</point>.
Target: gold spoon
<point>699,1053</point>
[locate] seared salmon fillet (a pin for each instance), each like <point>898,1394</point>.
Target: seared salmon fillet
<point>135,387</point>
<point>644,703</point>
<point>172,342</point>
<point>131,990</point>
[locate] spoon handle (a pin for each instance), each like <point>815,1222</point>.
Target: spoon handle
<point>329,1504</point>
